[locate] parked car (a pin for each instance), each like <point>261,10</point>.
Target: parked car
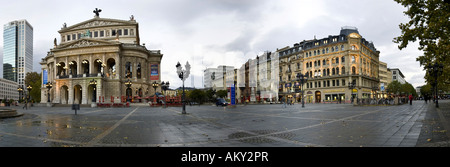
<point>221,102</point>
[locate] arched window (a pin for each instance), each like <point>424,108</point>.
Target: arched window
<point>138,71</point>
<point>343,70</point>
<point>353,70</point>
<point>333,71</point>
<point>343,59</point>
<point>337,70</point>
<point>337,60</point>
<point>342,47</point>
<point>336,48</point>
<point>128,70</point>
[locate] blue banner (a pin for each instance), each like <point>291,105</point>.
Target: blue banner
<point>44,77</point>
<point>233,95</point>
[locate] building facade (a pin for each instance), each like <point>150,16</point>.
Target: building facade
<point>17,51</point>
<point>330,64</point>
<point>8,89</point>
<point>385,76</point>
<point>95,59</point>
<point>397,75</point>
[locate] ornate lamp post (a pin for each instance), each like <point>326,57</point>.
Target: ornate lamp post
<point>351,86</point>
<point>48,85</point>
<point>85,64</point>
<point>155,85</point>
<point>303,79</point>
<point>20,90</point>
<point>435,70</point>
<point>128,85</point>
<point>183,75</point>
<point>29,88</point>
<point>374,90</point>
<point>165,86</point>
<point>93,83</point>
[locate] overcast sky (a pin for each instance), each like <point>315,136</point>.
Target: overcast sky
<point>208,33</point>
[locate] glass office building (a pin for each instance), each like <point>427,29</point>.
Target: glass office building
<point>17,50</point>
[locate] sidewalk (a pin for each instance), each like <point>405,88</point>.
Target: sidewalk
<point>436,128</point>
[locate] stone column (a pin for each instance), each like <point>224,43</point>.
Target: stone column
<point>71,93</point>
<point>84,91</point>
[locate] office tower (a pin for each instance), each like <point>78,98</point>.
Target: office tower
<point>17,50</point>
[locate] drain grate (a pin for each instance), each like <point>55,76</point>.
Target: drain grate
<point>254,137</point>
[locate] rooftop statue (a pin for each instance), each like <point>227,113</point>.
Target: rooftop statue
<point>97,12</point>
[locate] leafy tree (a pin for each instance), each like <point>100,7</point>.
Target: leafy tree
<point>197,95</point>
<point>209,95</point>
<point>429,25</point>
<point>34,79</point>
<point>407,88</point>
<point>222,93</point>
<point>426,90</point>
<point>394,87</point>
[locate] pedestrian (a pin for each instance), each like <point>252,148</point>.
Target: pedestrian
<point>283,100</point>
<point>25,106</point>
<point>410,99</point>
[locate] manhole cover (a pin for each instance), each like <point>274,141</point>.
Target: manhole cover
<point>254,136</point>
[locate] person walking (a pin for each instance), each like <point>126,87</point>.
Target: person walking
<point>283,99</point>
<point>410,99</point>
<point>26,105</point>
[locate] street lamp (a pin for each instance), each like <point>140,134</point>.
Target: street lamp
<point>20,91</point>
<point>155,85</point>
<point>435,70</point>
<point>93,83</point>
<point>351,86</point>
<point>374,91</point>
<point>165,86</point>
<point>128,85</point>
<point>183,75</point>
<point>29,87</point>
<point>303,79</point>
<point>49,86</point>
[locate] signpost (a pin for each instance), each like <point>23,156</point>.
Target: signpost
<point>75,107</point>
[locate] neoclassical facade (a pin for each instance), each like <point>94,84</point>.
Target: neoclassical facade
<point>102,51</point>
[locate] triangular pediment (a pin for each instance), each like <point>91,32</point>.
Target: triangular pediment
<point>96,22</point>
<point>85,43</point>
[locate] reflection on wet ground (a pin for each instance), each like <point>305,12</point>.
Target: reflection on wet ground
<point>251,125</point>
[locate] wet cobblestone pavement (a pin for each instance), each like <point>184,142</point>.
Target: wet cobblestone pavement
<point>269,125</point>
